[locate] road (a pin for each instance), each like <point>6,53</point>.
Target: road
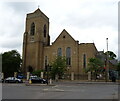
<point>60,91</point>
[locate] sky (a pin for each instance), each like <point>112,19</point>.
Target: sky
<point>87,21</point>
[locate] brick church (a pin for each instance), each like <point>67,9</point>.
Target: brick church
<point>37,51</point>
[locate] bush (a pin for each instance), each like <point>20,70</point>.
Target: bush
<point>37,72</point>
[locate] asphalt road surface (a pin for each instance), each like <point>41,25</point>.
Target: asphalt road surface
<point>60,91</point>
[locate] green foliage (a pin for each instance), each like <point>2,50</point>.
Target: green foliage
<point>111,55</point>
<point>11,62</point>
<point>94,65</point>
<point>37,72</point>
<point>118,68</point>
<point>58,67</point>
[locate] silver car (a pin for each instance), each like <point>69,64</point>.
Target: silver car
<point>13,80</point>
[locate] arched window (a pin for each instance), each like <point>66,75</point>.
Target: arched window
<point>32,30</point>
<point>59,52</point>
<point>84,60</point>
<point>68,56</point>
<point>46,63</point>
<point>45,30</point>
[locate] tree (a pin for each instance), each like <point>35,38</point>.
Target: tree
<point>111,55</point>
<point>118,68</point>
<point>112,61</point>
<point>58,67</point>
<point>11,62</point>
<point>37,72</point>
<point>94,66</point>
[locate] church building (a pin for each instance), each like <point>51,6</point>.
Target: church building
<point>38,52</point>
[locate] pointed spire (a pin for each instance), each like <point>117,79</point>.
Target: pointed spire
<point>38,6</point>
<point>38,10</point>
<point>64,30</point>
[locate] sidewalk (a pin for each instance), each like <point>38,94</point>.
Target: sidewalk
<point>33,84</point>
<point>84,82</point>
<point>73,82</point>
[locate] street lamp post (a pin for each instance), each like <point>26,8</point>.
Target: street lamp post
<point>46,70</point>
<point>107,63</point>
<point>47,73</point>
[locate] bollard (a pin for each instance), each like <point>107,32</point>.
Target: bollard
<point>30,82</point>
<point>50,81</point>
<point>41,74</point>
<point>28,75</point>
<point>89,76</point>
<point>2,75</point>
<point>15,74</point>
<point>72,76</point>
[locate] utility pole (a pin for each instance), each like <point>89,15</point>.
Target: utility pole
<point>47,73</point>
<point>107,63</point>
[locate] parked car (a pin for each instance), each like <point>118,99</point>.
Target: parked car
<point>13,80</point>
<point>20,76</point>
<point>38,80</point>
<point>33,76</point>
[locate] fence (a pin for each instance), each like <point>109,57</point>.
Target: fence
<point>84,77</point>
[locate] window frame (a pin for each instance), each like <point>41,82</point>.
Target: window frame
<point>59,52</point>
<point>68,56</point>
<point>84,60</point>
<point>32,29</point>
<point>45,31</point>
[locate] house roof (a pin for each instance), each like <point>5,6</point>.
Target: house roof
<point>114,61</point>
<point>62,33</point>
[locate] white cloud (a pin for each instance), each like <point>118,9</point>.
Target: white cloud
<point>85,20</point>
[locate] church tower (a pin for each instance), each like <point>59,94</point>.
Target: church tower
<point>36,37</point>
